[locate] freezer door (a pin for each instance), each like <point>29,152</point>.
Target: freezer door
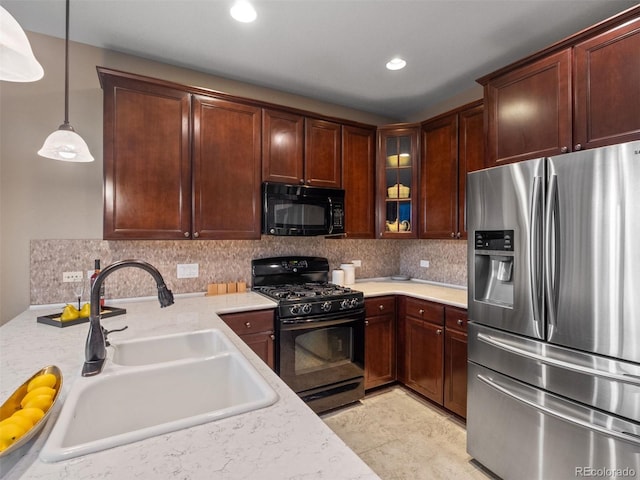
<point>600,382</point>
<point>505,287</point>
<point>521,433</point>
<point>593,251</point>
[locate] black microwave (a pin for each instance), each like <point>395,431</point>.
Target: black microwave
<point>300,210</point>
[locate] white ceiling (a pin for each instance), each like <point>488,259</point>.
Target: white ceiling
<point>330,50</point>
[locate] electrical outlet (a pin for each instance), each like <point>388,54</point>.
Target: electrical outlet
<point>188,270</point>
<point>424,263</point>
<point>357,263</point>
<point>72,277</point>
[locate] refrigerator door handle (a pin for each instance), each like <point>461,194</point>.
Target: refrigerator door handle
<point>555,362</point>
<point>550,250</point>
<point>624,436</point>
<point>534,251</point>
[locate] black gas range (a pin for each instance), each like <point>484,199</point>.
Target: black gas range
<point>319,329</point>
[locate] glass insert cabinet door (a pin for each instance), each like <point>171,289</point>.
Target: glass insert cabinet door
<point>397,182</point>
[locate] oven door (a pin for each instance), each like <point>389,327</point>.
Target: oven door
<point>320,353</point>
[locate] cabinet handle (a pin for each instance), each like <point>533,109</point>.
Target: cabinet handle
<point>272,336</point>
<point>460,322</point>
<point>366,323</point>
<point>453,235</point>
<point>578,147</point>
<point>302,181</point>
<point>380,307</point>
<point>247,324</point>
<point>196,234</point>
<point>564,149</point>
<point>421,311</point>
<point>439,331</point>
<point>458,234</point>
<point>186,234</point>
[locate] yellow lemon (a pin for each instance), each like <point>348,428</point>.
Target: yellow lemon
<point>43,402</point>
<point>36,392</point>
<point>44,380</point>
<point>24,422</point>
<point>9,433</point>
<point>35,414</point>
<point>69,313</point>
<point>85,311</point>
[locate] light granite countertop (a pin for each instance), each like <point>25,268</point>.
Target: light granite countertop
<point>283,441</point>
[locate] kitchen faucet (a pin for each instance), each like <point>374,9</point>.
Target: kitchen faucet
<point>95,348</point>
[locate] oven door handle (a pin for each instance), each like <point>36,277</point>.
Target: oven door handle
<point>318,323</point>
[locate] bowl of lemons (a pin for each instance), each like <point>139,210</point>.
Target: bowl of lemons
<point>27,410</point>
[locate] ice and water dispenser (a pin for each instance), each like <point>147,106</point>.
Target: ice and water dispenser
<point>494,268</point>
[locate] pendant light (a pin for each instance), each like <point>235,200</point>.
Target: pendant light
<point>65,144</point>
<point>17,62</point>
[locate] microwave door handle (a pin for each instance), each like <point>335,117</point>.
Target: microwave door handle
<point>330,216</point>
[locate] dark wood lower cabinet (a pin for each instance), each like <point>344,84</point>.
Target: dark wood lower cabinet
<point>455,361</point>
<point>432,352</point>
<point>256,330</point>
<point>380,341</point>
<point>422,329</point>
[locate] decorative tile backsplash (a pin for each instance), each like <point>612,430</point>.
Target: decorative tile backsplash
<point>229,260</point>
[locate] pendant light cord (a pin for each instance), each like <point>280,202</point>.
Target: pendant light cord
<point>66,69</point>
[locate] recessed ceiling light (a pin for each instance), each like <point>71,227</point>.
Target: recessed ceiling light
<point>243,11</point>
<point>396,63</point>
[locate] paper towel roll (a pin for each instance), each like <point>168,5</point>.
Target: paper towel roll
<point>337,277</point>
<point>349,273</point>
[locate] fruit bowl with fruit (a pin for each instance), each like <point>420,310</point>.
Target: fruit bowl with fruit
<point>27,410</point>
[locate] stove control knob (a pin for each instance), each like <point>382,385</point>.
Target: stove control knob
<point>325,307</point>
<point>306,308</point>
<point>354,302</point>
<point>295,309</point>
<point>344,304</point>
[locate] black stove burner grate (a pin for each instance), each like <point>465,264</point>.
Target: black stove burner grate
<point>305,290</point>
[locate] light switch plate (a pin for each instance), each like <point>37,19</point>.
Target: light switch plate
<point>357,263</point>
<point>188,270</point>
<point>424,263</point>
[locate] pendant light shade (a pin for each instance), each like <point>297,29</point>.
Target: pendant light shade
<point>65,144</point>
<point>17,62</point>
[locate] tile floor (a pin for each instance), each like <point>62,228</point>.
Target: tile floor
<point>403,437</point>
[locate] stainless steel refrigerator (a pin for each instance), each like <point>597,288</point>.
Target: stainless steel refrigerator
<point>554,310</point>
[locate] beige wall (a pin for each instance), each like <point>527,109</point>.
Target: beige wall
<point>45,199</point>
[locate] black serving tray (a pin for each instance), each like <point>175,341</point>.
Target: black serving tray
<point>54,318</point>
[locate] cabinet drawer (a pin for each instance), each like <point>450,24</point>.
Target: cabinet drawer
<point>379,306</point>
<point>456,318</point>
<point>250,322</point>
<point>424,310</point>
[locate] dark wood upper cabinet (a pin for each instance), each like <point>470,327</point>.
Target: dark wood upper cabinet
<point>582,92</point>
<point>397,181</point>
<point>358,180</point>
<point>301,150</point>
<point>282,147</point>
<point>439,178</point>
<point>226,169</point>
<point>147,160</point>
<point>607,88</point>
<point>529,111</point>
<point>178,164</point>
<point>322,153</point>
<point>452,145</point>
